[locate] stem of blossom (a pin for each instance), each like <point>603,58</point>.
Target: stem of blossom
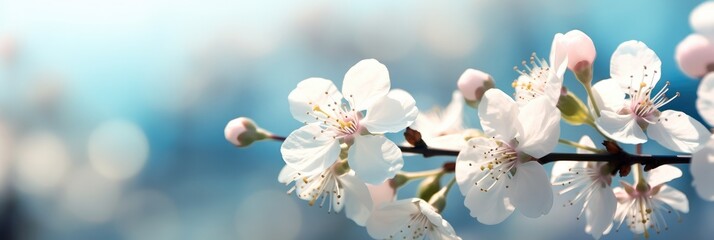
<point>277,138</point>
<point>438,200</point>
<point>591,98</point>
<point>578,145</point>
<point>639,173</point>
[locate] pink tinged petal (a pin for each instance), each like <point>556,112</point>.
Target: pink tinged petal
<point>663,174</point>
<point>392,113</point>
<point>531,194</point>
<point>498,114</point>
<point>357,200</point>
<point>679,132</point>
<point>701,168</point>
<point>390,218</point>
<point>309,151</point>
<point>382,193</point>
<point>540,127</point>
<point>628,63</point>
<point>374,158</point>
<point>608,95</point>
<point>310,93</point>
<point>674,198</point>
<point>621,128</point>
<point>702,19</point>
<point>581,50</point>
<point>705,99</point>
<point>474,83</point>
<point>490,207</point>
<point>600,211</point>
<point>694,54</point>
<point>365,83</point>
<point>287,175</point>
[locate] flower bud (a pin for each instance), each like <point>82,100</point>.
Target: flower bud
<point>581,51</point>
<point>702,19</point>
<point>242,132</point>
<point>429,186</point>
<point>572,109</point>
<point>473,84</point>
<point>695,55</point>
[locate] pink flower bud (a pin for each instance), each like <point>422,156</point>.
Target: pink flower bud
<point>242,132</point>
<point>702,19</point>
<point>695,55</point>
<point>581,50</point>
<point>473,84</point>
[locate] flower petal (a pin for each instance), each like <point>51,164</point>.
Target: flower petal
<point>357,199</point>
<point>705,99</point>
<point>600,211</point>
<point>674,198</point>
<point>452,119</point>
<point>308,151</point>
<point>663,174</point>
<point>374,158</point>
<point>701,168</point>
<point>679,132</point>
<point>701,19</point>
<point>531,194</point>
<point>489,207</point>
<point>498,114</point>
<point>585,140</point>
<point>443,228</point>
<point>382,193</point>
<point>392,113</point>
<point>309,93</point>
<point>287,174</point>
<point>621,128</point>
<point>454,141</point>
<point>560,168</point>
<point>540,121</point>
<point>559,63</point>
<point>608,95</point>
<point>389,218</point>
<point>469,161</point>
<point>634,63</point>
<point>365,83</point>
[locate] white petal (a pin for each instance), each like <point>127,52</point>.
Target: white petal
<point>621,128</point>
<point>705,98</point>
<point>382,193</point>
<point>540,121</point>
<point>560,168</point>
<point>498,114</point>
<point>679,132</point>
<point>469,161</point>
<point>585,140</point>
<point>392,113</point>
<point>608,95</point>
<point>443,228</point>
<point>308,151</point>
<point>600,211</point>
<point>559,63</point>
<point>287,174</point>
<point>490,207</point>
<point>454,141</point>
<point>390,218</point>
<point>366,82</point>
<point>702,168</point>
<point>702,20</point>
<point>452,120</point>
<point>374,158</point>
<point>633,63</point>
<point>663,174</point>
<point>674,198</point>
<point>357,200</point>
<point>531,194</point>
<point>309,93</point>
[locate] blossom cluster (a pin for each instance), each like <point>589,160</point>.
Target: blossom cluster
<point>341,157</point>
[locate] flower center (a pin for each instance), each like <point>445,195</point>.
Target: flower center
<point>416,227</point>
<point>496,164</point>
<point>338,119</point>
<point>642,104</point>
<point>319,186</point>
<point>531,82</point>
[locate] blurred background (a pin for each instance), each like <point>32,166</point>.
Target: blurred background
<point>112,112</point>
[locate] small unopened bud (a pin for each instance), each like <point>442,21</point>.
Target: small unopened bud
<point>242,132</point>
<point>573,110</point>
<point>438,200</point>
<point>429,186</point>
<point>702,19</point>
<point>695,56</point>
<point>581,51</point>
<point>473,84</point>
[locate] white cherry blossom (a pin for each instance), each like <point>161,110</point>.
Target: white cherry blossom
<point>629,107</point>
<point>591,181</point>
<point>644,208</point>
<point>702,167</point>
<point>497,174</point>
<point>367,111</point>
<point>705,99</point>
<point>443,129</point>
<point>338,188</point>
<point>409,219</point>
<point>543,78</point>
